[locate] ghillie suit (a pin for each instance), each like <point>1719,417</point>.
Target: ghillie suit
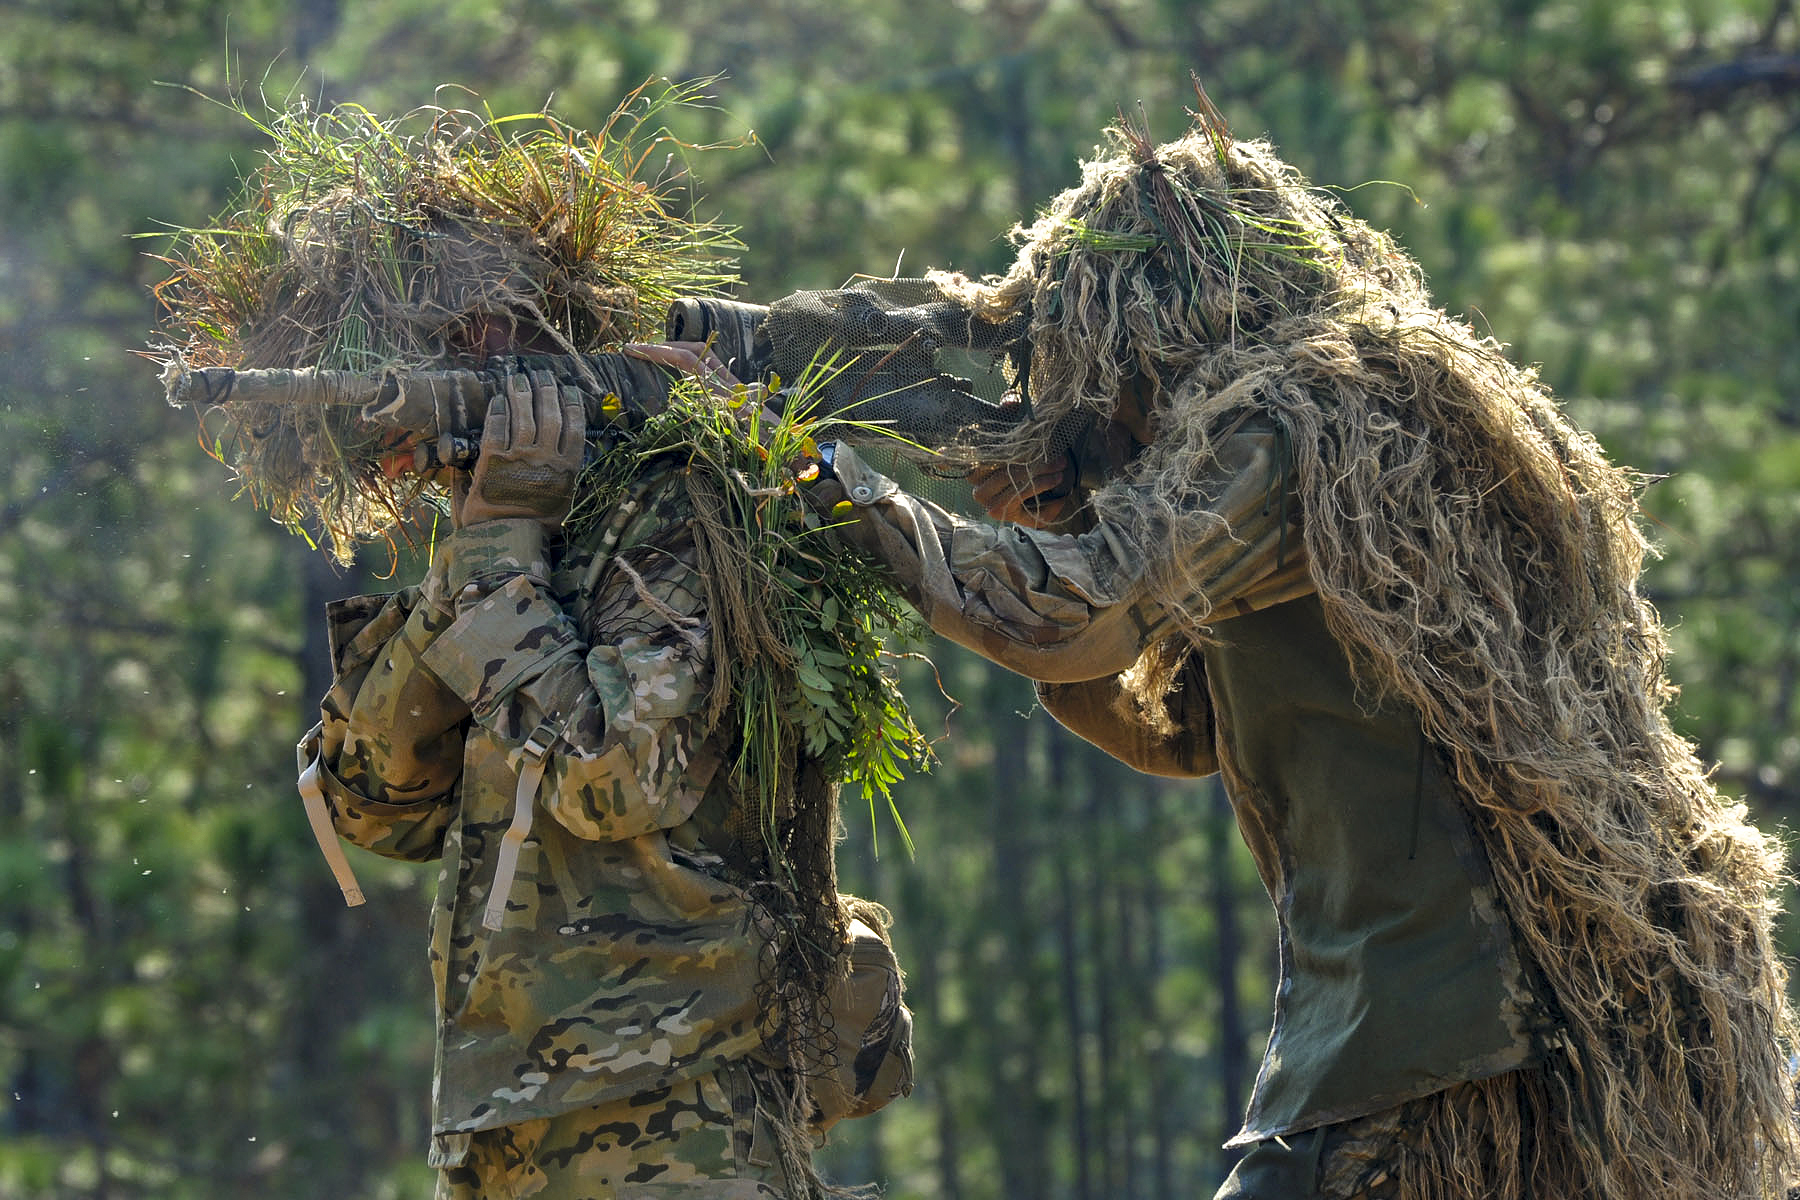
<point>442,237</point>
<point>1477,556</point>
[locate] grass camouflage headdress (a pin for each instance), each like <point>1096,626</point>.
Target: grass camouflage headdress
<point>1478,555</point>
<point>364,243</point>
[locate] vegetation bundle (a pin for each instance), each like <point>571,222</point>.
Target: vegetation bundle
<point>785,595</point>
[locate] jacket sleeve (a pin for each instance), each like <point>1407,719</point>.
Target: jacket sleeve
<point>1178,743</point>
<point>618,724</point>
<point>1067,607</point>
<point>390,738</point>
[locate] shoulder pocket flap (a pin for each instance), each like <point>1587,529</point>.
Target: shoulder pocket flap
<point>638,682</point>
<point>359,625</point>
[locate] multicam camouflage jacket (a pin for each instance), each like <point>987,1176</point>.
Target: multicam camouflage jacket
<point>619,961</point>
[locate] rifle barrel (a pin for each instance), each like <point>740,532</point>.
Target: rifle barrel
<point>430,403</point>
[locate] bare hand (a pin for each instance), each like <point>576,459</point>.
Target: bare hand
<point>1035,495</point>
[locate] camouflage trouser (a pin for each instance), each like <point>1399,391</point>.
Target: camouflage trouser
<point>701,1138</point>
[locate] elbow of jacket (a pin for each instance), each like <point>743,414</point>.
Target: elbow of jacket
<point>1068,661</point>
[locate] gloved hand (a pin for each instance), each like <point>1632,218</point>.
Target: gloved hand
<point>531,449</point>
<point>698,360</point>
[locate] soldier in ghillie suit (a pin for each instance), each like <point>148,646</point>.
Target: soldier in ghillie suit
<point>647,983</point>
<point>1282,518</point>
<point>625,1005</point>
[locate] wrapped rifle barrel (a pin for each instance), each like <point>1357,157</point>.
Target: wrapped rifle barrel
<point>876,350</point>
<point>442,410</point>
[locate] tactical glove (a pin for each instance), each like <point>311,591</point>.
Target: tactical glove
<point>531,451</point>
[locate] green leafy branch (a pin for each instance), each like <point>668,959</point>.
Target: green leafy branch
<point>804,635</point>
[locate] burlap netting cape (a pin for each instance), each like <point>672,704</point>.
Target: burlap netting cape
<point>1478,555</point>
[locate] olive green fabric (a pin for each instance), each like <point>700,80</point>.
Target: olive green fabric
<point>1399,973</point>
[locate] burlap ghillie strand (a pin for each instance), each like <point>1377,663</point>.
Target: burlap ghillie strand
<point>1477,555</point>
<point>1471,1139</point>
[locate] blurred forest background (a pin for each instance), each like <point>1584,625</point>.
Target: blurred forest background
<point>186,1007</point>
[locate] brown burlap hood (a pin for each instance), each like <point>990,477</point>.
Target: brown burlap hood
<point>1478,555</point>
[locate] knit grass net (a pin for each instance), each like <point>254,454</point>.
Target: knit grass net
<point>369,244</point>
<point>1479,556</point>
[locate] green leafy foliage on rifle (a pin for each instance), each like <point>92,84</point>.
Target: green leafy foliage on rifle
<point>802,622</point>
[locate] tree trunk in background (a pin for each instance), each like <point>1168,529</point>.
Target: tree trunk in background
<point>1158,1073</point>
<point>1015,1023</point>
<point>1102,811</point>
<point>924,983</point>
<point>1068,909</point>
<point>1123,1004</point>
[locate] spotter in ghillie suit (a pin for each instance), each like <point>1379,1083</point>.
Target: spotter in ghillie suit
<point>1283,518</point>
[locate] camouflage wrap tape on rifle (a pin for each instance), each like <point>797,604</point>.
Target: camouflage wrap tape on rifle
<point>444,409</point>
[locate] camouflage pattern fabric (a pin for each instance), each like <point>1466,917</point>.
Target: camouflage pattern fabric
<point>1063,606</point>
<point>698,1138</point>
<point>624,965</point>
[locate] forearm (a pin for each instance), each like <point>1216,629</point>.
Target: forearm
<point>1040,604</point>
<point>1175,742</point>
<point>1066,607</point>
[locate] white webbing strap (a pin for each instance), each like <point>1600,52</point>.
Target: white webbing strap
<point>506,865</point>
<point>312,796</point>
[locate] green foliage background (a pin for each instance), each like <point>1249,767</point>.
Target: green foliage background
<point>186,1010</point>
